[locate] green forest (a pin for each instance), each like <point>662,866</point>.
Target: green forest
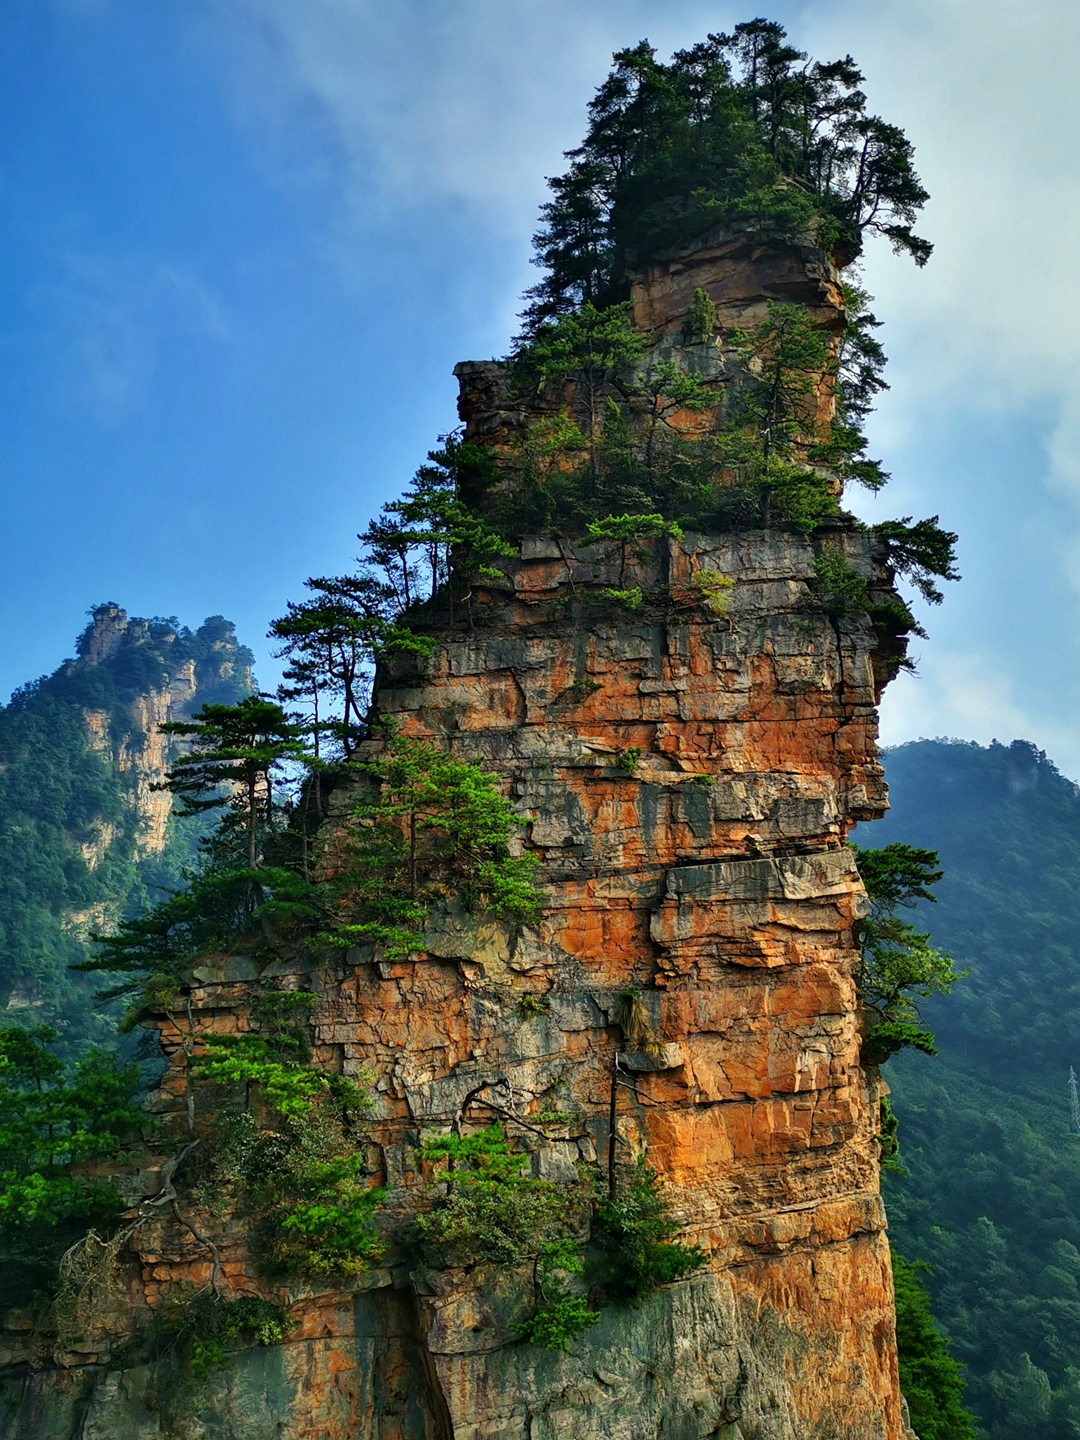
<point>56,794</point>
<point>990,1159</point>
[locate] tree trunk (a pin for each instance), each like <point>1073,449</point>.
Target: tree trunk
<point>251,822</point>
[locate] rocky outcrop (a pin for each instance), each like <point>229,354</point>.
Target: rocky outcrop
<point>128,736</point>
<point>141,755</point>
<point>687,774</point>
<point>713,876</point>
<point>740,271</point>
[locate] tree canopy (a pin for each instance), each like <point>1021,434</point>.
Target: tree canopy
<point>898,966</point>
<point>742,126</point>
<point>53,1116</point>
<point>991,1163</point>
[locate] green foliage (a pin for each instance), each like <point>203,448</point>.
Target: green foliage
<point>596,344</point>
<point>898,876</point>
<point>630,599</point>
<point>930,1379</point>
<point>841,588</point>
<point>628,760</point>
<point>772,457</point>
<point>700,319</point>
<point>237,753</point>
<point>329,1229</point>
<point>303,1177</point>
<point>888,1037</point>
<point>274,1055</point>
<point>431,544</point>
<point>434,538</point>
<point>786,357</point>
<point>205,1332</point>
<point>993,1170</point>
<point>859,380</point>
<point>430,829</point>
<point>713,590</point>
<point>625,534</point>
<point>897,964</point>
<point>762,466</point>
<point>304,1184</point>
<point>151,956</point>
<point>559,1323</point>
<point>435,829</point>
<point>737,128</point>
<point>888,1137</point>
<point>53,1116</point>
<point>582,688</point>
<point>634,1234</point>
<point>331,642</point>
<point>919,553</point>
<point>492,1209</point>
<point>771,442</point>
<point>413,538</point>
<point>765,464</point>
<point>290,1088</point>
<point>626,530</point>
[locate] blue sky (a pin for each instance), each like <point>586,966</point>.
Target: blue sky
<point>244,242</point>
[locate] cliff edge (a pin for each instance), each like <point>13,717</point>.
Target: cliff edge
<point>687,734</point>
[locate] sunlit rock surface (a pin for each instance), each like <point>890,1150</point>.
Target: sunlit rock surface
<point>710,872</point>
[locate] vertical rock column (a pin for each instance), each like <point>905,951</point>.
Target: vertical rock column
<point>688,781</point>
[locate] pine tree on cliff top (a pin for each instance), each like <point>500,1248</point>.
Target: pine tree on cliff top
<point>740,127</point>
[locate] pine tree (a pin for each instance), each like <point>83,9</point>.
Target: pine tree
<point>898,966</point>
<point>332,643</point>
<point>740,127</point>
<point>53,1116</point>
<point>237,752</point>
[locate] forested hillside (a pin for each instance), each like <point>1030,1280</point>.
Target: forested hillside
<point>84,838</point>
<point>991,1199</point>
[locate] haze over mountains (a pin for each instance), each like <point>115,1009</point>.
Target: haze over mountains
<point>990,1198</point>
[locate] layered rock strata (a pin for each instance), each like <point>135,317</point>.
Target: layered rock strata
<point>687,780</point>
<point>742,273</point>
<point>712,875</point>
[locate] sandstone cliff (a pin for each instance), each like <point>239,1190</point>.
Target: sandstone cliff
<point>687,774</point>
<point>175,683</point>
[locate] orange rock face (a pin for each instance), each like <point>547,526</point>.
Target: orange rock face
<point>687,780</point>
<point>714,877</point>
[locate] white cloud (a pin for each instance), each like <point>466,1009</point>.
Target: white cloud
<point>466,101</point>
<point>968,695</point>
<point>471,102</point>
<point>987,92</point>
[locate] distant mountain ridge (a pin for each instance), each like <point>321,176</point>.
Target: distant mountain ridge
<point>992,1197</point>
<point>84,835</point>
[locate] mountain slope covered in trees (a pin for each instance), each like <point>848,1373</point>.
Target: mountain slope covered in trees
<point>991,1199</point>
<point>84,839</point>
